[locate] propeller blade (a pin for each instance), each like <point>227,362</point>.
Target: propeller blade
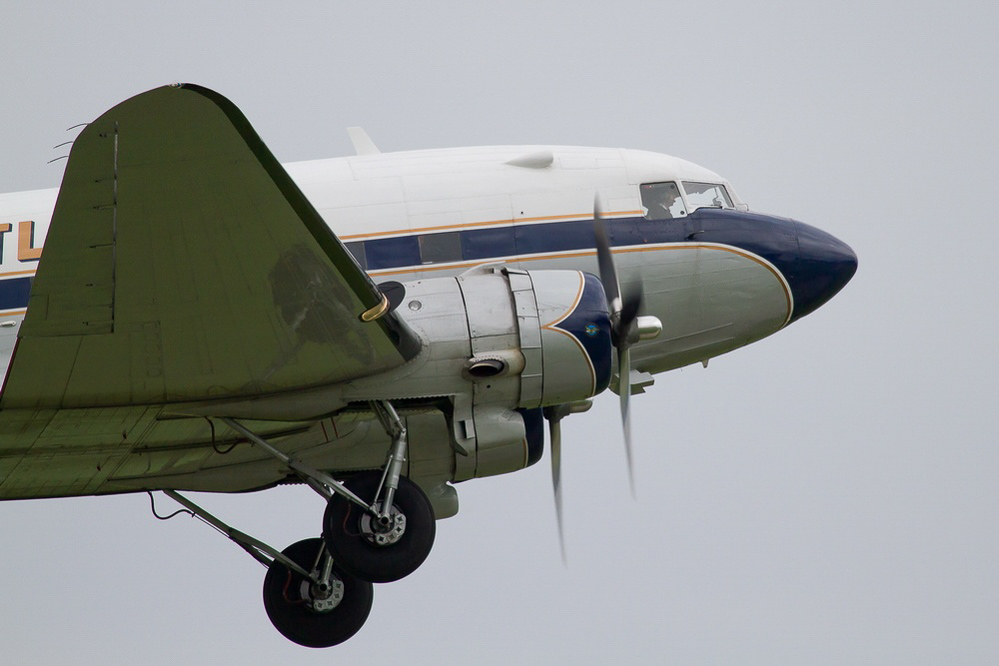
<point>555,431</point>
<point>605,260</point>
<point>624,393</point>
<point>632,303</point>
<point>623,310</point>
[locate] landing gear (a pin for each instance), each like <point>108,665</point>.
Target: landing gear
<point>308,598</point>
<point>390,537</point>
<point>378,527</point>
<point>320,611</point>
<point>380,546</point>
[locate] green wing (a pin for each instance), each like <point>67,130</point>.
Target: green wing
<point>183,264</point>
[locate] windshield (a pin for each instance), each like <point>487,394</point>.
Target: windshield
<point>705,195</point>
<point>662,201</point>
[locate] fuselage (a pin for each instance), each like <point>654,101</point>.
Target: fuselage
<point>718,276</point>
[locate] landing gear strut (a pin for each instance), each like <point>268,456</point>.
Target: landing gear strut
<point>381,540</point>
<point>393,537</point>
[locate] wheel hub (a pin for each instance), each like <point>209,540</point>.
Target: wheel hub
<point>383,530</point>
<point>324,597</point>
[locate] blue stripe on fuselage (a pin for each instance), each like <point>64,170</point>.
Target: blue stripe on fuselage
<point>769,237</point>
<point>14,293</point>
<point>772,238</point>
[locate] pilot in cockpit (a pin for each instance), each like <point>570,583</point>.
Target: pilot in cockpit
<point>661,201</point>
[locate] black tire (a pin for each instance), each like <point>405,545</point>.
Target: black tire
<point>356,554</point>
<point>292,616</point>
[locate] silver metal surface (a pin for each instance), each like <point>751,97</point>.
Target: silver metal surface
<point>648,327</point>
<point>325,599</point>
<point>396,459</point>
<point>325,591</point>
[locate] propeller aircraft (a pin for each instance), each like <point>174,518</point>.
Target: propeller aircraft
<point>380,327</point>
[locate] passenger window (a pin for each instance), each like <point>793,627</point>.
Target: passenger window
<point>440,248</point>
<point>662,201</point>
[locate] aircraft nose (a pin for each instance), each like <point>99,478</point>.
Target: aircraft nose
<point>825,265</point>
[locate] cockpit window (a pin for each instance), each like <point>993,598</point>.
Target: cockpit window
<point>706,195</point>
<point>662,201</point>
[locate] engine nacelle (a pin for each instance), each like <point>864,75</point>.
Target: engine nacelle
<point>561,325</point>
<point>498,345</point>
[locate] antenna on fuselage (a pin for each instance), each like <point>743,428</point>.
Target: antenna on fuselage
<point>363,145</point>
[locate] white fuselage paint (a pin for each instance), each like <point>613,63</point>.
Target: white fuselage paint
<point>711,298</point>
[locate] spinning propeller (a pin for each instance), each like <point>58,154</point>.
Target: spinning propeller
<point>555,415</point>
<point>623,310</point>
<point>627,328</point>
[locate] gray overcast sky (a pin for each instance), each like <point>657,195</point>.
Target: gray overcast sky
<point>828,495</point>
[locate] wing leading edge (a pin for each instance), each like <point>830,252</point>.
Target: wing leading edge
<point>184,264</point>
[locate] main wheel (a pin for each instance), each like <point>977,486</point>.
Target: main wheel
<point>371,550</point>
<point>309,614</point>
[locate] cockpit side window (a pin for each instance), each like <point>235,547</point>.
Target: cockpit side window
<point>706,195</point>
<point>662,201</point>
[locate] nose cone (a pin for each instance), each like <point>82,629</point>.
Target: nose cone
<point>825,265</point>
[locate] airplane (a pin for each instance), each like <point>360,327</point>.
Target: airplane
<point>187,314</point>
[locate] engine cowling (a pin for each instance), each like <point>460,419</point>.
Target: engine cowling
<point>562,353</point>
<point>562,331</point>
<point>500,344</point>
